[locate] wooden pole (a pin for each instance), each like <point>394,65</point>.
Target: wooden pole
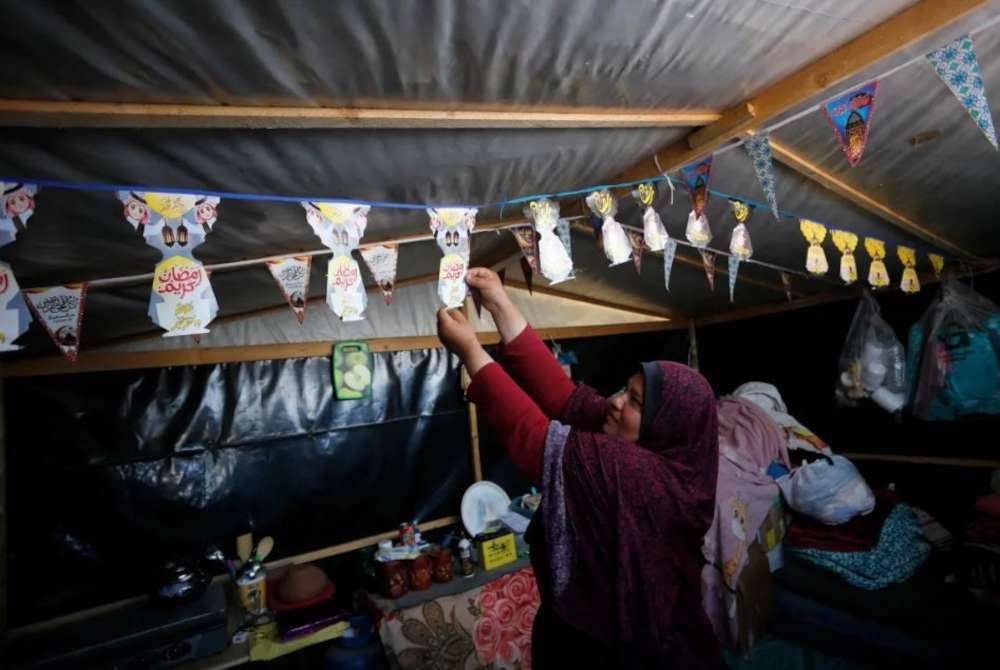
<point>477,462</point>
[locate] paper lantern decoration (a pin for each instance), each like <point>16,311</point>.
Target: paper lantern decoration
<point>739,242</point>
<point>451,227</point>
<point>878,275</point>
<point>814,233</point>
<point>616,245</point>
<point>697,231</point>
<point>910,282</point>
<point>846,243</point>
<point>556,264</point>
<point>937,262</point>
<point>653,231</point>
<point>182,301</point>
<point>340,227</point>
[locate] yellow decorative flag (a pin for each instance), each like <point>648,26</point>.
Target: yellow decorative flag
<point>937,262</point>
<point>814,233</point>
<point>878,275</point>
<point>910,282</point>
<point>846,243</point>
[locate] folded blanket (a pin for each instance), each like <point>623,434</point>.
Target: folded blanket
<point>901,549</point>
<point>861,533</point>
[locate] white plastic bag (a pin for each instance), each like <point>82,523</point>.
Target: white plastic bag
<point>872,363</point>
<point>830,493</point>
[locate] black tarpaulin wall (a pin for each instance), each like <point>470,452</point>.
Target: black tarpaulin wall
<point>113,473</point>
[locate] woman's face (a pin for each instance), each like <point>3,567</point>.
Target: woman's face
<point>624,415</point>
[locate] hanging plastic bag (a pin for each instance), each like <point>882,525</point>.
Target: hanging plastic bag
<point>872,362</point>
<point>830,491</point>
<point>954,356</point>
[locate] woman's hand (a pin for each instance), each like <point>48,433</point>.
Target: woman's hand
<point>487,282</point>
<point>508,318</point>
<point>459,337</point>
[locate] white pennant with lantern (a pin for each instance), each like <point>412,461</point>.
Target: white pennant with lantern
<point>878,275</point>
<point>182,301</point>
<point>654,233</point>
<point>846,243</point>
<point>910,282</point>
<point>451,227</point>
<point>340,227</point>
<point>616,245</point>
<point>740,247</point>
<point>556,264</point>
<point>815,233</point>
<point>18,207</point>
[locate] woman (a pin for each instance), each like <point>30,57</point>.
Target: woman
<point>628,493</point>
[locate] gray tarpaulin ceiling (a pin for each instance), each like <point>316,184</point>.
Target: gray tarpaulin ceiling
<point>642,54</point>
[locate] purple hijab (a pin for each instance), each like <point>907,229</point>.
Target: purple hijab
<point>623,522</point>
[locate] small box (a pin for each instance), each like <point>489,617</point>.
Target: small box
<point>496,548</point>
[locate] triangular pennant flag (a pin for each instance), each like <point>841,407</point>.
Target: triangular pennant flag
<point>637,243</point>
<point>596,223</point>
<point>553,258</point>
<point>14,314</point>
<point>528,272</point>
<point>759,149</point>
<point>846,243</point>
<point>958,67</point>
<point>653,231</point>
<point>381,260</point>
<point>60,311</point>
<point>669,251</point>
<point>910,282</point>
<point>452,228</point>
<point>708,262</point>
<point>613,240</point>
<point>18,207</point>
<point>696,177</point>
<point>786,282</point>
<point>734,268</point>
<point>878,275</point>
<point>197,338</point>
<point>182,301</point>
<point>292,275</point>
<point>697,232</point>
<point>340,227</point>
<point>739,242</point>
<point>527,240</point>
<point>814,233</point>
<point>937,262</point>
<point>850,115</point>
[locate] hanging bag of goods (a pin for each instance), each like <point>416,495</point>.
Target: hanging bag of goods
<point>872,363</point>
<point>954,356</point>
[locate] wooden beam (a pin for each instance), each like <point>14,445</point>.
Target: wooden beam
<point>102,361</point>
<point>810,170</point>
<point>576,297</point>
<point>67,114</point>
<point>779,307</point>
<point>909,26</point>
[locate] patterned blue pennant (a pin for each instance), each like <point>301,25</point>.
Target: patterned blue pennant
<point>958,68</point>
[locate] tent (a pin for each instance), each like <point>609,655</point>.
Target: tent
<point>444,103</point>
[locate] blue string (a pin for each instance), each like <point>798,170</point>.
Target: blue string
<point>228,195</point>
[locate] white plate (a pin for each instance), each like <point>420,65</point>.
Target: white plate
<point>483,502</point>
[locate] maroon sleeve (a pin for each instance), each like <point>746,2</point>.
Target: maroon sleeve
<point>517,420</point>
<point>537,371</point>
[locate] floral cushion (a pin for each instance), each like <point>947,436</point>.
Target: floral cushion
<point>485,627</point>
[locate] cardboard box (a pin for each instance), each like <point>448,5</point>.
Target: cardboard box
<point>496,549</point>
